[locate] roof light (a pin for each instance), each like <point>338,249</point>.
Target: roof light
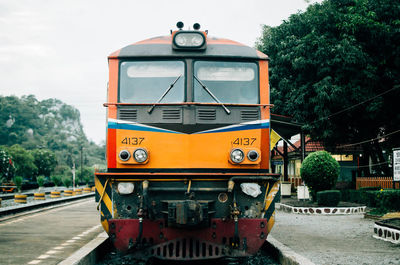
<point>189,40</point>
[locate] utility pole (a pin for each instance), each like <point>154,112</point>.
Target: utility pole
<point>81,161</point>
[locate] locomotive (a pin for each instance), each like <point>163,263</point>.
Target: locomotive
<point>188,127</point>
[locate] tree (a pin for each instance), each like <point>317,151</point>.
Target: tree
<point>6,166</point>
<point>319,171</point>
<point>47,124</point>
<point>23,162</point>
<point>327,60</point>
<point>45,161</point>
<point>87,174</point>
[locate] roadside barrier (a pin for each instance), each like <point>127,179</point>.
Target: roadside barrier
<point>39,196</point>
<point>78,191</point>
<point>68,192</point>
<point>55,194</point>
<point>87,190</point>
<point>0,202</point>
<point>20,198</point>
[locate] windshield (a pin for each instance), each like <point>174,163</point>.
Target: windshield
<point>230,82</point>
<point>146,81</point>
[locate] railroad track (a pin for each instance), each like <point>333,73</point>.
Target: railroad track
<point>100,252</point>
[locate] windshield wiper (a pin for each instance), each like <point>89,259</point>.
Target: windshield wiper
<point>165,93</point>
<point>212,95</point>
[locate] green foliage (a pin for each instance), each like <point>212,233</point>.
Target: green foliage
<point>18,182</point>
<point>6,166</point>
<point>67,180</point>
<point>319,171</point>
<point>57,180</point>
<point>381,200</point>
<point>328,198</point>
<point>62,170</point>
<point>45,161</point>
<point>335,55</point>
<point>23,162</point>
<point>388,200</point>
<point>86,174</point>
<point>49,125</point>
<point>358,196</point>
<point>40,180</point>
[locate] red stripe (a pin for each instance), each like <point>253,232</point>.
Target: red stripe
<point>111,148</point>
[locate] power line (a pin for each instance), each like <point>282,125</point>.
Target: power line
<point>370,140</point>
<point>371,165</point>
<point>356,105</point>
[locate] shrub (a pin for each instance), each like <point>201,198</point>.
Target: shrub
<point>388,200</point>
<point>40,180</point>
<point>18,182</point>
<point>329,198</point>
<point>354,196</point>
<point>57,179</point>
<point>87,179</point>
<point>320,172</point>
<point>67,180</point>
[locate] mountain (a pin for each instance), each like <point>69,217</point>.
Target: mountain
<point>49,124</point>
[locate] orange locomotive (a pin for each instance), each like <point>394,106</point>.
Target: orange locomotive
<point>187,149</point>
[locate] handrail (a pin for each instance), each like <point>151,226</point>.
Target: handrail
<point>186,103</point>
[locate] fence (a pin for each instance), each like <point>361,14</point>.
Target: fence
<point>295,181</point>
<point>383,182</point>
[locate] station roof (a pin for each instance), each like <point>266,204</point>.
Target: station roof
<point>285,126</point>
<point>162,47</point>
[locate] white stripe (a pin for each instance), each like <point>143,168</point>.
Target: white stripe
<point>140,125</point>
<point>236,125</point>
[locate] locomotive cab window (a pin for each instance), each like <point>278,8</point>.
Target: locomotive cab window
<point>147,81</point>
<point>229,82</point>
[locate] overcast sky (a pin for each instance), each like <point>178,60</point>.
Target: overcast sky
<point>59,48</point>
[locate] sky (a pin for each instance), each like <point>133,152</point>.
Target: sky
<point>59,48</point>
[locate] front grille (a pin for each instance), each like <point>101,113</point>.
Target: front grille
<point>128,114</point>
<point>206,114</point>
<point>171,114</point>
<point>249,115</point>
<point>187,249</point>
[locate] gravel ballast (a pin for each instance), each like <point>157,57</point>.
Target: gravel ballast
<point>343,239</point>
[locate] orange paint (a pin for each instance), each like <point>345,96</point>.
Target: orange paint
<point>265,112</point>
<point>173,150</point>
<point>113,87</point>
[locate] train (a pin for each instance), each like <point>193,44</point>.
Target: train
<point>187,148</point>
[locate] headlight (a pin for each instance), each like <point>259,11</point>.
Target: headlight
<point>237,155</point>
<point>140,155</point>
<point>124,155</point>
<point>189,39</point>
<point>253,155</point>
<point>125,187</point>
<point>251,189</point>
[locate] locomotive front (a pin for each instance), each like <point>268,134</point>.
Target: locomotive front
<point>187,149</point>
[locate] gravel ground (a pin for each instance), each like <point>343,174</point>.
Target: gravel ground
<point>342,239</point>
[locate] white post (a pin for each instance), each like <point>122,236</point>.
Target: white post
<point>73,176</point>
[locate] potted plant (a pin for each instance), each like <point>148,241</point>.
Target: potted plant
<point>40,195</point>
<point>56,179</point>
<point>19,198</point>
<point>320,172</point>
<point>67,183</point>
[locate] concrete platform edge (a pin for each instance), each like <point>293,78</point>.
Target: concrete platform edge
<point>90,253</point>
<point>284,254</point>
